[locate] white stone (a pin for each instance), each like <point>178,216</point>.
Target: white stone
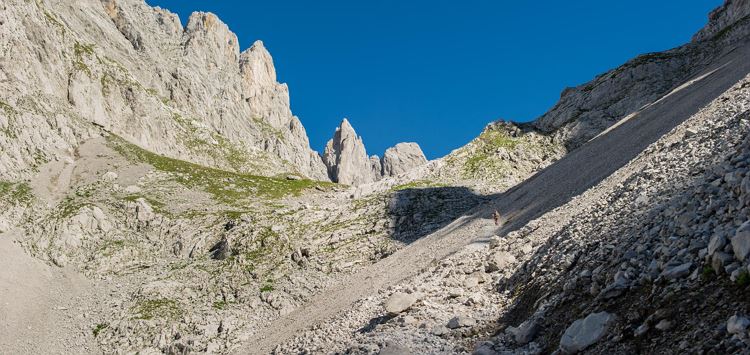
<point>399,302</point>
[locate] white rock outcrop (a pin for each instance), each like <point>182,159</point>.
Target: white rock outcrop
<point>347,161</point>
<point>346,157</point>
<point>401,158</point>
<point>74,68</point>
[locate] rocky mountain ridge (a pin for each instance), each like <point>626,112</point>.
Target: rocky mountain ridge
<point>134,70</point>
<point>584,111</point>
<point>602,245</point>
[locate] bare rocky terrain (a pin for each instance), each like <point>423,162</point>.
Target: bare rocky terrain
<point>157,195</point>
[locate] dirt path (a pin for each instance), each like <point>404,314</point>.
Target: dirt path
<point>41,308</point>
<point>550,188</point>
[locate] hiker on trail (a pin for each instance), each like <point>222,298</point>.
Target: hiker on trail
<point>496,217</point>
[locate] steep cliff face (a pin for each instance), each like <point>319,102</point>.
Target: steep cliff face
<point>70,69</point>
<point>723,18</point>
<point>347,161</point>
<point>584,111</point>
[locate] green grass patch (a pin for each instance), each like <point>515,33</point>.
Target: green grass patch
<point>16,192</point>
<point>485,147</point>
<point>493,139</point>
<point>160,308</point>
<point>419,184</point>
<point>220,305</point>
<point>71,204</point>
<point>225,186</point>
<point>267,288</point>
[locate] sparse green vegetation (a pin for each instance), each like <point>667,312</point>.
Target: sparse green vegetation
<point>16,193</point>
<point>493,139</point>
<point>54,21</point>
<point>743,279</point>
<point>9,110</point>
<point>81,50</point>
<point>107,80</point>
<point>226,187</point>
<point>111,246</point>
<point>266,288</point>
<point>11,114</point>
<point>71,204</point>
<point>266,128</point>
<point>419,184</point>
<point>220,304</point>
<point>159,308</point>
<point>708,272</point>
<point>220,150</point>
<point>158,206</point>
<point>98,328</point>
<point>486,146</point>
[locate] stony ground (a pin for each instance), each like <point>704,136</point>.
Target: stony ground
<point>650,260</point>
<point>185,257</point>
<point>634,242</point>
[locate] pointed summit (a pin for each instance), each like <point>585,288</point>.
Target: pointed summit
<point>346,157</point>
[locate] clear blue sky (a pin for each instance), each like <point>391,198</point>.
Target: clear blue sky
<point>436,72</point>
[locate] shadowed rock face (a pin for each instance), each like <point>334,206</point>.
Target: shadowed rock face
<point>347,161</point>
<point>586,110</point>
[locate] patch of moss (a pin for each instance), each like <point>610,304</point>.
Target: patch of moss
<point>708,272</point>
<point>16,192</point>
<point>225,186</point>
<point>220,305</point>
<point>267,288</point>
<point>159,308</point>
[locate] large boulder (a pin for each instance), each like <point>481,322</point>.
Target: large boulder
<point>399,302</point>
<point>585,332</point>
